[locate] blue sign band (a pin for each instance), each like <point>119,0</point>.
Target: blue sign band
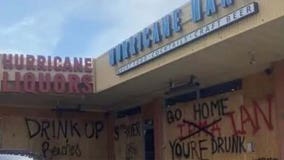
<point>229,19</point>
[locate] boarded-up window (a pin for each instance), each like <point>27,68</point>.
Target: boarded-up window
<point>222,127</point>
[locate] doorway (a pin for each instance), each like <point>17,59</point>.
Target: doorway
<point>149,140</point>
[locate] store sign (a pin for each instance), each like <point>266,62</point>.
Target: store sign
<point>211,8</point>
<point>171,24</point>
<point>192,36</point>
<point>146,38</point>
<point>40,74</point>
<point>162,29</point>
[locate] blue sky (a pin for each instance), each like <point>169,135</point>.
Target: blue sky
<point>75,28</point>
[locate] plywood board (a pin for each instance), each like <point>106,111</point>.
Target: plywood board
<point>129,138</point>
<point>229,126</point>
<point>55,137</point>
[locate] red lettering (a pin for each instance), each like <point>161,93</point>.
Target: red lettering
<point>19,62</point>
<point>7,61</point>
<point>49,63</point>
<point>74,81</point>
<point>88,85</point>
<point>6,87</point>
<point>57,63</point>
<point>267,120</point>
<point>41,63</point>
<point>78,65</point>
<point>246,117</point>
<point>246,120</point>
<point>233,122</point>
<point>17,82</point>
<point>5,82</point>
<point>44,82</point>
<point>88,65</point>
<point>29,82</point>
<point>189,129</point>
<point>67,66</point>
<point>216,128</point>
<point>59,83</point>
<point>180,126</point>
<point>202,124</point>
<point>30,62</point>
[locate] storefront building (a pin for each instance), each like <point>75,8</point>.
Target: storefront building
<point>204,82</point>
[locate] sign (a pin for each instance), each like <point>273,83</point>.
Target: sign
<point>162,29</point>
<point>229,19</point>
<point>145,39</point>
<point>40,74</point>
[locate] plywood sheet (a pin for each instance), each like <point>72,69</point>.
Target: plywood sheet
<point>229,126</point>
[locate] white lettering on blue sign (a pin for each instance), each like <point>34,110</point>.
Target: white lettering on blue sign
<point>167,30</point>
<point>229,19</point>
<point>139,38</point>
<point>196,10</point>
<point>144,39</point>
<point>125,50</point>
<point>133,46</point>
<point>226,3</point>
<point>156,32</point>
<point>161,30</point>
<point>118,53</point>
<point>147,42</point>
<point>210,7</point>
<point>177,20</point>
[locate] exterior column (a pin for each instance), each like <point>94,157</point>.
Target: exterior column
<point>279,100</point>
<point>110,138</point>
<point>154,110</point>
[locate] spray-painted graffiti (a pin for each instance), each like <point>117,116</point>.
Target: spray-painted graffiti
<point>61,132</point>
<point>195,149</point>
<point>197,128</point>
<point>66,149</point>
<point>192,149</point>
<point>174,115</point>
<point>56,129</point>
<point>209,128</point>
<point>131,130</point>
<point>248,117</point>
<point>128,137</point>
<point>130,151</point>
<point>252,118</point>
<point>213,108</point>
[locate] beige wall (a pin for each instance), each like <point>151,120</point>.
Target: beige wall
<point>269,10</point>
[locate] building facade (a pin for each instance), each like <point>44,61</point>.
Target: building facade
<point>204,82</point>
